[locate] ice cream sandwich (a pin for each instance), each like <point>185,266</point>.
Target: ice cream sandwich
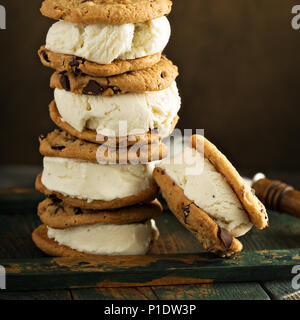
<point>74,232</point>
<point>209,197</point>
<point>103,38</point>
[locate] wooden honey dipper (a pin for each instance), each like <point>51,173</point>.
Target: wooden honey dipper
<point>277,195</point>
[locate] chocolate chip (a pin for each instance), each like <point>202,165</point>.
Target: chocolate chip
<point>92,88</point>
<point>77,72</point>
<point>163,74</point>
<point>65,82</point>
<point>42,137</point>
<point>45,56</point>
<point>186,211</point>
<point>54,198</point>
<point>225,237</point>
<point>57,209</point>
<point>116,90</point>
<point>78,211</point>
<point>74,63</point>
<point>58,148</point>
<point>82,60</point>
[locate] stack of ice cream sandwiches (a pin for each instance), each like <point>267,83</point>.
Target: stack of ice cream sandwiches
<point>115,99</point>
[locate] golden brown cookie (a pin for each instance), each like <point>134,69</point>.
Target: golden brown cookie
<point>156,78</point>
<point>255,209</point>
<point>145,196</point>
<point>61,144</point>
<point>92,136</point>
<point>66,62</point>
<point>56,214</point>
<point>53,248</point>
<point>105,11</point>
<point>209,234</point>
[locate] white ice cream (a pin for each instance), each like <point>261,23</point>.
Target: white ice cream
<point>105,43</point>
<point>142,111</point>
<point>92,181</point>
<point>106,239</point>
<point>208,189</point>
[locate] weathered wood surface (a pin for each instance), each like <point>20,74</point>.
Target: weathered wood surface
<point>61,273</point>
<point>36,295</point>
<point>218,291</point>
<point>176,258</point>
<point>139,293</point>
<point>225,291</point>
<point>281,290</point>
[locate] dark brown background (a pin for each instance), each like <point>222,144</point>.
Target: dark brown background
<point>239,65</point>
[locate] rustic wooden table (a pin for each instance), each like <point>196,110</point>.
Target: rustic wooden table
<point>23,177</point>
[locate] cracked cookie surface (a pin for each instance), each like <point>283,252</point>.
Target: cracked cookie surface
<point>156,78</point>
<point>59,143</point>
<point>105,11</point>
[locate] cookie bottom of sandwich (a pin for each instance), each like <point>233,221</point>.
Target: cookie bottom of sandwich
<point>53,248</point>
<point>145,196</point>
<point>212,237</point>
<point>70,63</point>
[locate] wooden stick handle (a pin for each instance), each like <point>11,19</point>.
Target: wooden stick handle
<point>278,196</point>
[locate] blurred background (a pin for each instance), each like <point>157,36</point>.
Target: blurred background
<point>238,62</point>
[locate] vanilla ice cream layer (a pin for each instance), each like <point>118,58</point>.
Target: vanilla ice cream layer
<point>106,239</point>
<point>120,115</point>
<point>208,189</point>
<point>105,43</point>
<point>92,181</point>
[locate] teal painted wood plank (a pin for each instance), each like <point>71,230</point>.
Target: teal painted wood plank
<point>36,295</point>
<point>131,271</point>
<point>225,291</point>
<point>281,290</point>
<point>139,293</point>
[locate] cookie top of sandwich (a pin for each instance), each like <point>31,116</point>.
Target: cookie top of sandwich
<point>255,209</point>
<point>105,11</point>
<point>59,215</point>
<point>59,143</point>
<point>155,78</point>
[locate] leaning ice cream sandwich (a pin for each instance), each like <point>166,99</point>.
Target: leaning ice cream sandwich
<point>209,197</point>
<point>74,232</point>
